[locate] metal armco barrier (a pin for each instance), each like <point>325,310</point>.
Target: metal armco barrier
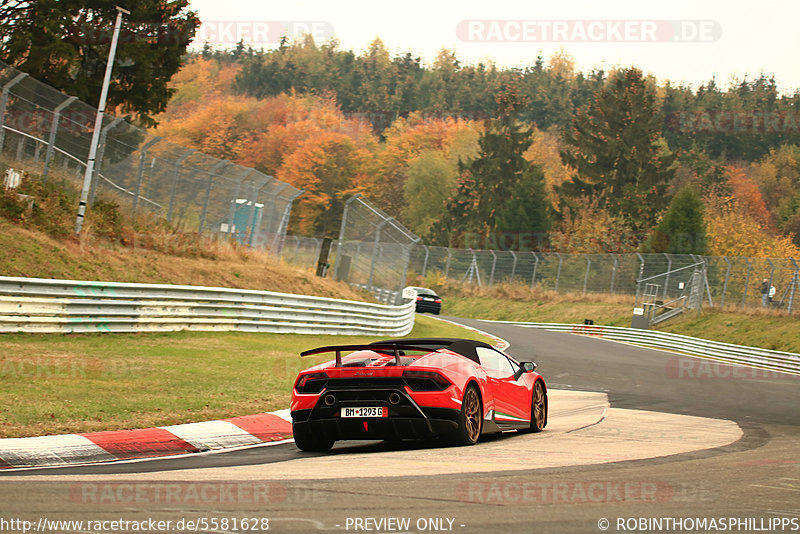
<point>66,306</point>
<point>786,362</point>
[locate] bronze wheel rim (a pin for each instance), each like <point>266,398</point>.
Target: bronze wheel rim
<point>538,405</point>
<point>472,409</point>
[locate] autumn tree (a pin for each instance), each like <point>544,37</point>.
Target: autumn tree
<point>64,43</point>
<point>616,148</point>
<point>431,179</point>
<point>329,168</point>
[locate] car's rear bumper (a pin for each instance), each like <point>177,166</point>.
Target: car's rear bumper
<point>430,307</point>
<point>405,420</point>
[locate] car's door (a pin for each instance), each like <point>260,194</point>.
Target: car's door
<point>511,396</point>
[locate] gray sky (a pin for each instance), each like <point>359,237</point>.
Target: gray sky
<point>720,38</point>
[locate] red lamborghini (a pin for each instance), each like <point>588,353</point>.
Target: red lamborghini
<point>452,389</point>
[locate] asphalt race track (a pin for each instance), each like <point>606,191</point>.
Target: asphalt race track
<point>755,479</point>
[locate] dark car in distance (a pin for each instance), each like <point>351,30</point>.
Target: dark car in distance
<point>428,301</point>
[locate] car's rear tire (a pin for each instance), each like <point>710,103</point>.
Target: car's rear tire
<point>307,441</point>
<point>538,407</point>
<point>470,420</point>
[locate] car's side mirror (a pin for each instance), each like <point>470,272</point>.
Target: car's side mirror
<point>524,367</point>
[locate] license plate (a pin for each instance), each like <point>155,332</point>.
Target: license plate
<point>366,411</point>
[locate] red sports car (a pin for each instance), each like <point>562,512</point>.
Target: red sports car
<point>453,389</point>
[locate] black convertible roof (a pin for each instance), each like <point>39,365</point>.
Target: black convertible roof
<point>465,347</point>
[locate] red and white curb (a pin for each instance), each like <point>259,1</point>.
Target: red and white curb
<point>115,445</point>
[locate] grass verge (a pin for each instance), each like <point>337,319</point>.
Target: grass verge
<point>769,329</point>
<point>55,384</point>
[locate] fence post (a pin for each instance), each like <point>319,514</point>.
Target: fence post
<point>407,260</point>
<point>535,266</point>
<point>176,178</point>
<point>795,282</point>
<point>771,271</point>
<point>51,141</point>
<point>425,262</point>
<point>341,234</point>
<point>277,243</point>
<point>375,246</point>
<point>725,284</point>
<point>641,266</point>
<point>3,102</point>
<point>101,154</point>
<point>513,265</point>
<point>746,281</point>
<point>558,273</point>
<point>586,276</point>
<point>140,173</point>
<point>614,268</point>
<point>211,175</point>
<point>494,264</point>
<point>447,266</point>
<point>669,268</point>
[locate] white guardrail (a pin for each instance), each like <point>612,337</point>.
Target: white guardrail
<point>787,362</point>
<point>65,306</point>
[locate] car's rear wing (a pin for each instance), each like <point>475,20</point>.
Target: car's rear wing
<point>393,348</point>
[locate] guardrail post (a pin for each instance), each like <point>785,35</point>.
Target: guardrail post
<point>175,179</point>
<point>51,140</point>
<point>795,282</point>
<point>746,281</point>
<point>535,267</point>
<point>425,262</point>
<point>725,284</point>
<point>140,173</point>
<point>586,276</point>
<point>3,102</point>
<point>494,264</point>
<point>101,154</point>
<point>211,175</point>
<point>558,273</point>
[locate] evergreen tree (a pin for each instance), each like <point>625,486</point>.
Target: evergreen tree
<point>500,194</point>
<point>616,147</point>
<point>682,230</point>
<point>64,43</point>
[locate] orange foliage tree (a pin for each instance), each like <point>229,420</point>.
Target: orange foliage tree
<point>406,139</point>
<point>748,196</point>
<point>735,231</point>
<point>330,168</point>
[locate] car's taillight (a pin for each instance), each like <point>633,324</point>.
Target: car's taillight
<point>311,383</point>
<point>425,381</point>
<point>419,298</point>
<point>438,301</point>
